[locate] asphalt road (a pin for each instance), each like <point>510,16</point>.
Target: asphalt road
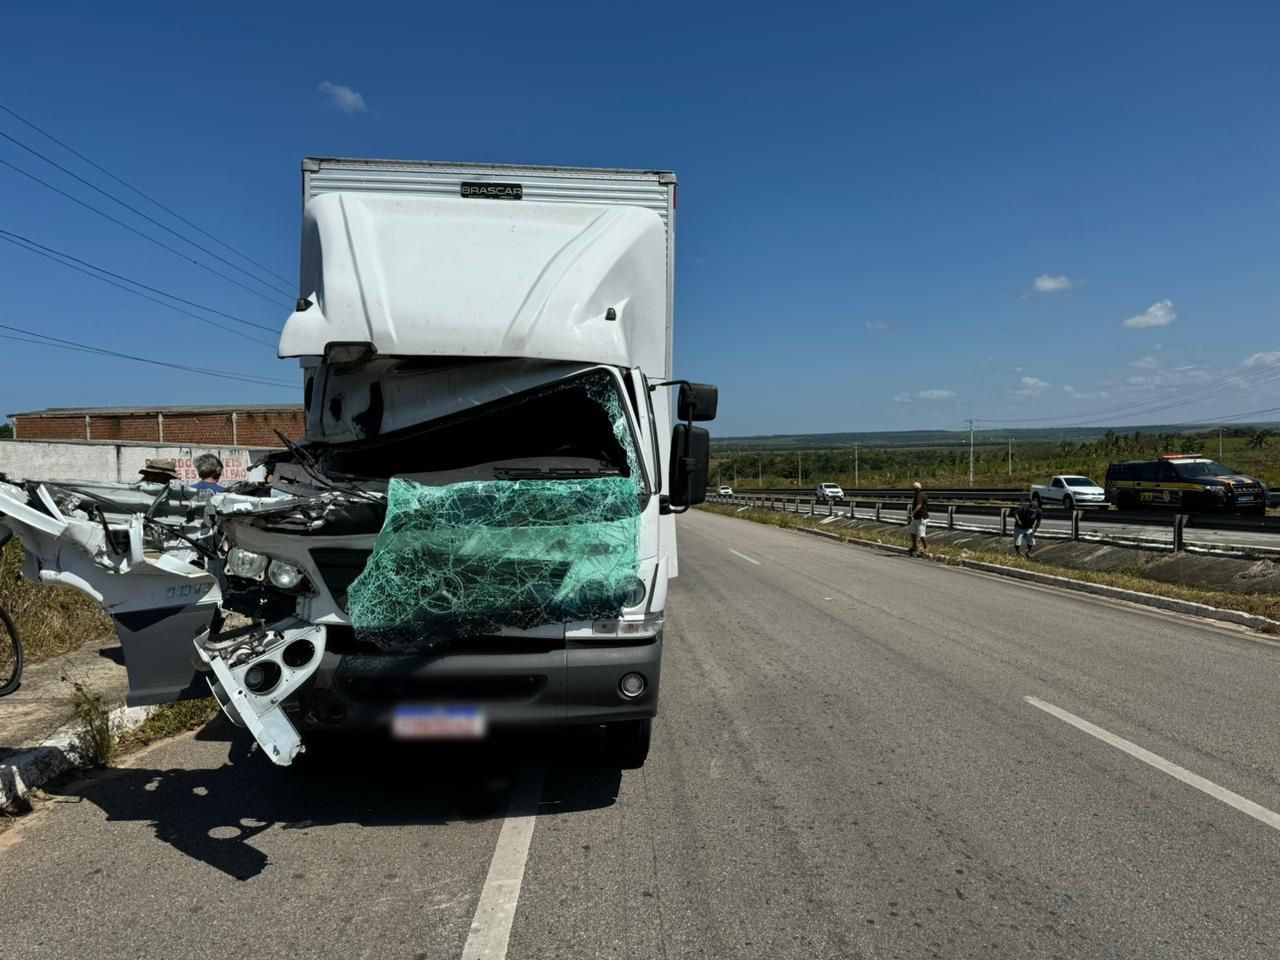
<point>846,765</point>
<point>1054,522</point>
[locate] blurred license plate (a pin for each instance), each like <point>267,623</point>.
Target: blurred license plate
<point>410,722</point>
<point>1245,498</point>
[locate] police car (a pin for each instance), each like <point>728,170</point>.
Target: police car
<point>1188,483</point>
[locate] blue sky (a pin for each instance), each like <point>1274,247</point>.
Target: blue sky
<point>892,216</point>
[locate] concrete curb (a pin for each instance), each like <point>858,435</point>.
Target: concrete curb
<point>1188,607</point>
<point>29,769</point>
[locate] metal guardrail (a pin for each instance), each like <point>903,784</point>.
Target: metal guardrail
<point>1177,523</point>
<point>975,495</point>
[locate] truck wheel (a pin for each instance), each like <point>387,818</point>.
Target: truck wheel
<point>627,742</point>
<point>1068,503</point>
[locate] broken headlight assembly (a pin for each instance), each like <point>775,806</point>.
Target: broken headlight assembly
<point>284,575</point>
<point>246,564</point>
<point>250,565</point>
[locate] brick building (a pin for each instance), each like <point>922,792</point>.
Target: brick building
<point>247,425</point>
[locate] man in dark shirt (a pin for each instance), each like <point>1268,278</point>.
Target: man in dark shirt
<point>918,522</point>
<point>1026,521</point>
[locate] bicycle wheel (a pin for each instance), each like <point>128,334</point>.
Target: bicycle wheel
<point>10,655</point>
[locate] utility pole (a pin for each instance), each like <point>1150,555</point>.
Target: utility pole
<point>856,485</point>
<point>799,470</point>
<point>1011,456</point>
<point>971,423</point>
<point>1219,444</point>
<point>760,464</point>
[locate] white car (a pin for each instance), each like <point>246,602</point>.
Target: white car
<point>1070,492</point>
<point>829,491</point>
<point>725,491</point>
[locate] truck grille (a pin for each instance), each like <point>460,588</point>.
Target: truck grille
<point>338,568</point>
<point>481,689</point>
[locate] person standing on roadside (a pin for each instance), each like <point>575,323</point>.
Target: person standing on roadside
<point>1026,521</point>
<point>918,522</point>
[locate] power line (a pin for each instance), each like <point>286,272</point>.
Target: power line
<point>1170,399</point>
<point>44,340</point>
<point>132,229</point>
<point>53,254</point>
<point>138,293</point>
<point>173,213</point>
<point>93,186</point>
<point>91,350</point>
<point>1226,385</point>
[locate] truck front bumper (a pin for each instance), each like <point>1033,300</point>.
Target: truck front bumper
<point>570,685</point>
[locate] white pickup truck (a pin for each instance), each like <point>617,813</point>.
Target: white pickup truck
<point>1069,492</point>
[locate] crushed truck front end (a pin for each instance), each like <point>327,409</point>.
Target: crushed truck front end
<point>501,558</point>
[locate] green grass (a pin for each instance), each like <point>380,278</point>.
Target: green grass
<point>94,738</point>
<point>52,620</point>
<point>169,720</point>
<point>1261,604</point>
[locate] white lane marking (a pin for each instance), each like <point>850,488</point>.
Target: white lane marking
<point>744,557</point>
<point>1243,804</point>
<point>491,925</point>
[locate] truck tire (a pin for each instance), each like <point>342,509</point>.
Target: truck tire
<point>1068,503</point>
<point>627,742</point>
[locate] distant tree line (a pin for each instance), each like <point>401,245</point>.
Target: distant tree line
<point>995,464</point>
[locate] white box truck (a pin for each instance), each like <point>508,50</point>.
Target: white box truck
<point>477,529</point>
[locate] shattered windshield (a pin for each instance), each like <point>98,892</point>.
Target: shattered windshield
<point>527,514</point>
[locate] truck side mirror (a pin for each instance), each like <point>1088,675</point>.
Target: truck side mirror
<point>697,401</point>
<point>690,465</point>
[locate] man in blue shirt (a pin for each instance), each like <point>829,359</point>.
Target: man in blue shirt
<point>209,468</point>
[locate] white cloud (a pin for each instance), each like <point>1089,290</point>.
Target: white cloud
<point>1146,363</point>
<point>902,398</point>
<point>1159,314</point>
<point>1033,387</point>
<point>879,326</point>
<point>1046,283</point>
<point>343,97</point>
<point>1265,359</point>
<point>935,394</point>
<point>1181,376</point>
<point>1075,394</point>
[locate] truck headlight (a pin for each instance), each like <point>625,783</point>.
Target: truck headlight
<point>636,596</point>
<point>246,563</point>
<point>284,575</point>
